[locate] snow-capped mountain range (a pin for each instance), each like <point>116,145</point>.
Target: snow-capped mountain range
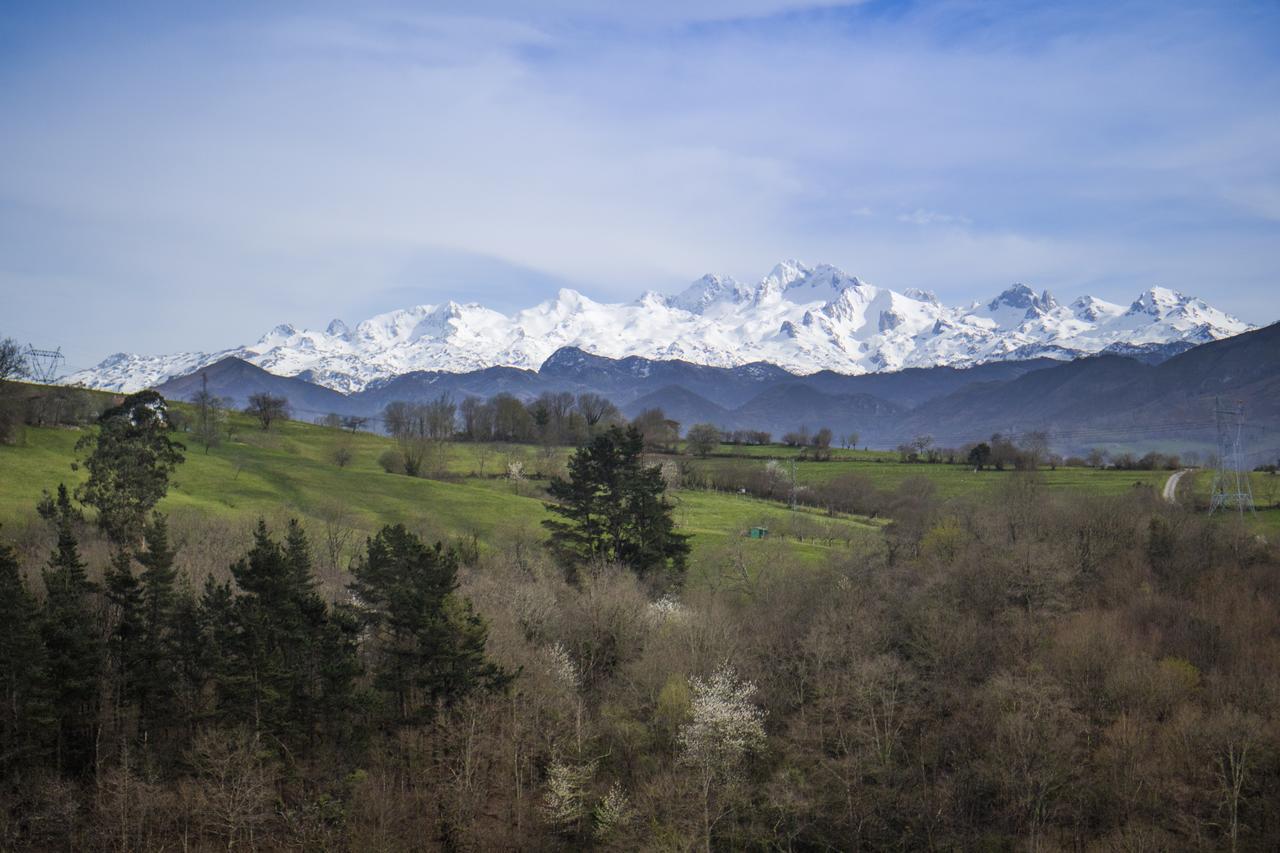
<point>799,317</point>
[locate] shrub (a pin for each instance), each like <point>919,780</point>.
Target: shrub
<point>392,461</point>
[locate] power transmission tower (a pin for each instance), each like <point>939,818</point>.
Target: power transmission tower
<point>44,365</point>
<point>1231,480</point>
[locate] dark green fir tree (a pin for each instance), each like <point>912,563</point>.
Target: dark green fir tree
<point>612,509</point>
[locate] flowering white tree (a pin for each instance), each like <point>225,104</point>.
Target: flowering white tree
<point>562,667</point>
<point>565,802</point>
<point>613,813</point>
<point>666,610</point>
<point>724,727</point>
<point>566,674</point>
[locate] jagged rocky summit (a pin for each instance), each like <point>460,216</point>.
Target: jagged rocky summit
<point>798,317</point>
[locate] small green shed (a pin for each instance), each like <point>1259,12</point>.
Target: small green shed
<point>758,532</point>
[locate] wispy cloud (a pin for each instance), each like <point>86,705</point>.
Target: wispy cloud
<point>288,162</point>
<point>920,216</point>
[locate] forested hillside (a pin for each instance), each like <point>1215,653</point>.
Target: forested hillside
<point>1014,658</point>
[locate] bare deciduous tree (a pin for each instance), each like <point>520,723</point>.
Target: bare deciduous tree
<point>596,409</point>
<point>13,363</point>
<point>354,422</point>
<point>233,789</point>
<point>339,532</point>
<point>267,408</point>
<point>702,439</point>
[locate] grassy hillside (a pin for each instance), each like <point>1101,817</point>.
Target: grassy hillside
<point>886,472</point>
<point>290,472</point>
<point>1266,495</point>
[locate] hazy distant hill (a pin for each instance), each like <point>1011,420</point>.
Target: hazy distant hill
<point>234,379</point>
<point>1111,398</point>
<point>1094,400</point>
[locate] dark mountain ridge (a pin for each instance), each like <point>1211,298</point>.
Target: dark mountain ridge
<point>1101,399</point>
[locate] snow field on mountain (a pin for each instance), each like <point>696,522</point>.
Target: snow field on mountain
<point>798,317</point>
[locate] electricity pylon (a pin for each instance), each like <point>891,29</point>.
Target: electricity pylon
<point>44,365</point>
<point>1231,480</point>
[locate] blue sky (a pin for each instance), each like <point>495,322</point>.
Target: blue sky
<point>185,176</point>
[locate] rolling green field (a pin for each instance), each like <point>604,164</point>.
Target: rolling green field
<point>1266,496</point>
<point>289,472</point>
<point>886,472</point>
<point>782,451</point>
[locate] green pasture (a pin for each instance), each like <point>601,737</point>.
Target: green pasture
<point>289,471</point>
<point>950,480</point>
<point>782,451</point>
<point>1266,496</point>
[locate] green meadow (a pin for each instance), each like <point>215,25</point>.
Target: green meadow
<point>886,472</point>
<point>290,471</point>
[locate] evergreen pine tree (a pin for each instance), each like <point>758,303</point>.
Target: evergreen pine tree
<point>24,700</point>
<point>286,667</point>
<point>189,656</point>
<point>73,653</point>
<point>217,652</point>
<point>124,642</point>
<point>254,674</point>
<point>317,654</point>
<point>612,509</point>
<point>156,667</point>
<point>427,642</point>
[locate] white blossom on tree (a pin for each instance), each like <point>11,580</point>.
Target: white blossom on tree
<point>724,726</point>
<point>562,667</point>
<point>724,723</point>
<point>565,802</point>
<point>665,610</point>
<point>613,813</point>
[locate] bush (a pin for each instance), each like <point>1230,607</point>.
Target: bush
<point>392,461</point>
<point>342,455</point>
<point>10,421</point>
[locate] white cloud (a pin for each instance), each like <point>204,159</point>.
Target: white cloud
<point>301,163</point>
<point>920,216</point>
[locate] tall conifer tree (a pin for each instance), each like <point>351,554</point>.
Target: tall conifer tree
<point>157,657</point>
<point>612,509</point>
<point>25,714</point>
<point>69,631</point>
<point>427,642</point>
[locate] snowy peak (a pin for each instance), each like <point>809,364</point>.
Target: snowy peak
<point>1024,299</point>
<point>1157,302</point>
<point>782,276</point>
<point>1091,309</point>
<point>821,282</point>
<point>922,295</point>
<point>280,334</point>
<point>707,291</point>
<point>798,317</point>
